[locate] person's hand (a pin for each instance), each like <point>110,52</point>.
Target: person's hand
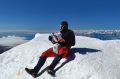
<point>50,38</point>
<point>61,40</point>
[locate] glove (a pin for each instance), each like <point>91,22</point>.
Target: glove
<point>50,38</point>
<point>55,38</point>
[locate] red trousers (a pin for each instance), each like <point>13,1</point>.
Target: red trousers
<point>64,51</point>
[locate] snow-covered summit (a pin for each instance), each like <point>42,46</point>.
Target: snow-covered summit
<point>91,59</point>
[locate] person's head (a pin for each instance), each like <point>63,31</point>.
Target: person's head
<point>63,26</point>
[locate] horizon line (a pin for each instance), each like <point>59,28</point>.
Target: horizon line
<point>29,30</point>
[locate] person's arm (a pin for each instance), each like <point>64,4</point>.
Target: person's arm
<point>69,39</point>
<point>56,38</point>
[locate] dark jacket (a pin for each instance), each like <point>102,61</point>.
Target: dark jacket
<point>69,38</point>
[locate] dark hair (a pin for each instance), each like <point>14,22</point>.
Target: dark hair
<point>65,23</point>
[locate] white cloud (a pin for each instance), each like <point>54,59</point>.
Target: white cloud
<point>12,40</point>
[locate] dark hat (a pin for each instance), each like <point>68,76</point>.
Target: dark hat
<point>65,23</point>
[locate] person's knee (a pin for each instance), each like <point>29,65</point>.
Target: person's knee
<point>43,57</point>
<point>43,54</point>
<point>59,57</point>
<point>63,51</point>
<point>48,53</point>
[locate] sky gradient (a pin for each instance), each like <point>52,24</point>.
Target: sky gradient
<point>47,14</point>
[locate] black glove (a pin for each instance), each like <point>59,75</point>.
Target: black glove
<point>51,39</point>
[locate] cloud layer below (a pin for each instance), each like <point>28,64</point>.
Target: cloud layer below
<point>12,40</point>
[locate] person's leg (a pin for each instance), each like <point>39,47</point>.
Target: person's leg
<point>41,61</point>
<point>39,64</point>
<point>43,57</point>
<point>62,52</point>
<point>55,62</point>
<point>48,53</point>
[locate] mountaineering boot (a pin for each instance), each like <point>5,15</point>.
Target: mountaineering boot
<point>56,60</point>
<point>34,72</point>
<point>31,72</point>
<point>51,72</point>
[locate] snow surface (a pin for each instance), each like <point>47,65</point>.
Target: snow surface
<point>90,59</point>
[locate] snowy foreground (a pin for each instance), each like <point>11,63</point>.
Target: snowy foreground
<point>90,59</point>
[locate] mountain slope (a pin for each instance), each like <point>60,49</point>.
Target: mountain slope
<point>91,59</point>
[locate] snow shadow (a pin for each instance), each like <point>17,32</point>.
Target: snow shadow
<point>72,56</point>
<point>83,50</point>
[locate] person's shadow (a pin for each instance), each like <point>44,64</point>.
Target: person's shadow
<point>72,56</point>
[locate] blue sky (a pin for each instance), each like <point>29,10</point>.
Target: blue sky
<point>47,14</point>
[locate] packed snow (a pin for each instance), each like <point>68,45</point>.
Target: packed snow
<point>90,59</point>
